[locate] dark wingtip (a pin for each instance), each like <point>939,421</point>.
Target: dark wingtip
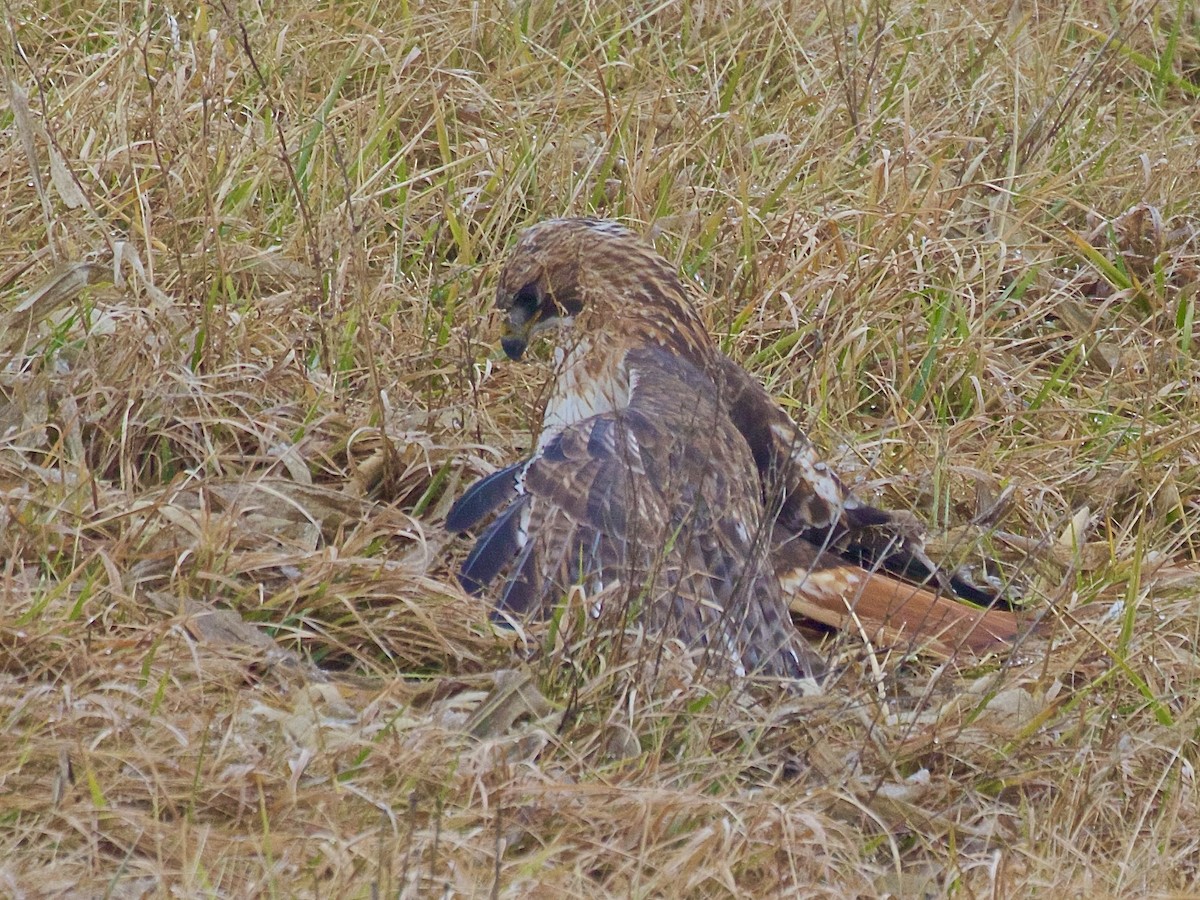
<point>494,549</point>
<point>481,498</point>
<point>521,590</point>
<point>986,596</point>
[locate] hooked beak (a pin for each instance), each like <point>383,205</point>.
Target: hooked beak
<point>515,336</point>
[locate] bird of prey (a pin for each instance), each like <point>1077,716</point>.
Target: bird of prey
<point>666,479</point>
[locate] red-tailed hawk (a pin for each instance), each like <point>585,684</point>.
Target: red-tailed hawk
<point>667,480</point>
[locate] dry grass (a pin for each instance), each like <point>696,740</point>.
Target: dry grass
<point>246,366</point>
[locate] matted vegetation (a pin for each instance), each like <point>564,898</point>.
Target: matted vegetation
<point>246,265</point>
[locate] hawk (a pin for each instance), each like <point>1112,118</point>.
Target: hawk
<point>666,479</point>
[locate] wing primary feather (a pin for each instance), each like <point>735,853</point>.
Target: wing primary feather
<point>494,549</point>
<point>482,497</point>
<point>521,590</point>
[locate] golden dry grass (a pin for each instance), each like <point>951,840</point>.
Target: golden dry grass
<point>247,365</point>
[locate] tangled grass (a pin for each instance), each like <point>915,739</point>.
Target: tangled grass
<point>247,365</point>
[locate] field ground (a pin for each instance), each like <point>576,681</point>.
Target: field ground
<point>247,364</point>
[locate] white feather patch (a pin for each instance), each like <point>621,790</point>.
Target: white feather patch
<point>836,583</point>
<point>580,394</point>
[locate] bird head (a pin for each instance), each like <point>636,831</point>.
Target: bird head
<point>540,285</point>
<point>594,277</point>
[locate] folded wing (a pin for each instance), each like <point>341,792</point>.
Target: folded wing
<point>655,507</point>
<point>835,556</point>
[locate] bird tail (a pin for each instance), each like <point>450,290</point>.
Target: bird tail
<point>882,608</point>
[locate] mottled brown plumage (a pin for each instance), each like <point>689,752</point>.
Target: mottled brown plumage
<point>665,479</point>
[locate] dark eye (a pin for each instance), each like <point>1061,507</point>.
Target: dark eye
<point>527,299</point>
